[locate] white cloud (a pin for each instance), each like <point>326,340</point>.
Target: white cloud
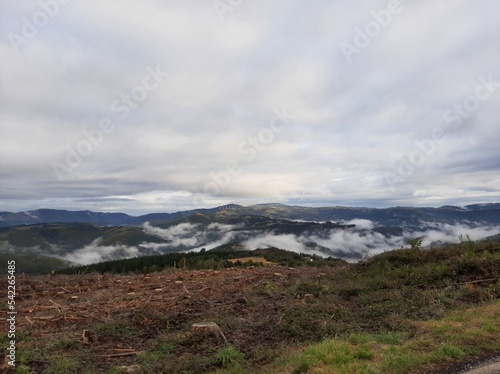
<point>451,233</point>
<point>93,253</point>
<point>179,235</point>
<point>354,244</point>
<point>361,223</point>
<point>354,122</point>
<point>191,236</point>
<point>350,244</point>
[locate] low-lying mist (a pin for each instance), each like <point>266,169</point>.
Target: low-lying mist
<point>351,244</point>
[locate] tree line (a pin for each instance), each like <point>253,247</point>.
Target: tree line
<point>214,259</point>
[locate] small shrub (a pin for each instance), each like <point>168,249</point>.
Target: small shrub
<point>228,357</point>
<point>270,288</point>
<point>415,243</point>
<point>467,243</point>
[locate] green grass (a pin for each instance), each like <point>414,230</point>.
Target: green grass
<point>229,357</point>
<point>453,337</point>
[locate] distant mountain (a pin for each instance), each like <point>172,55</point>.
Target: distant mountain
<point>396,216</point>
<point>9,219</point>
<point>62,216</point>
<point>409,217</point>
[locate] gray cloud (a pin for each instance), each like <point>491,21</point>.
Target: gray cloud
<point>354,122</point>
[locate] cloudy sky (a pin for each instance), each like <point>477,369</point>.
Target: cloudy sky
<point>169,105</point>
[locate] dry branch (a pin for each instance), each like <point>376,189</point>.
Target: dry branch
<point>111,355</point>
<point>480,281</point>
<point>61,309</point>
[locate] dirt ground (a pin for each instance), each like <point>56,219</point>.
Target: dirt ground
<point>92,323</point>
<point>243,302</point>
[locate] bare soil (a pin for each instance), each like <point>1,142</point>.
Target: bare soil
<point>124,314</point>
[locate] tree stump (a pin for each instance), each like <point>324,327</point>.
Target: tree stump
<point>210,327</point>
<point>87,337</point>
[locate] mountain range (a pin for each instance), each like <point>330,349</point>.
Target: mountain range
<point>411,217</point>
<point>350,233</point>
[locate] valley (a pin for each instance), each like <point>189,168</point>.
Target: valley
<point>347,233</point>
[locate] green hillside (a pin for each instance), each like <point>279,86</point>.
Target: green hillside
<point>127,235</point>
<point>45,236</point>
<point>62,238</point>
<point>33,264</point>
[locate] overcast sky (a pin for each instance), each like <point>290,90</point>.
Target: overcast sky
<point>149,106</point>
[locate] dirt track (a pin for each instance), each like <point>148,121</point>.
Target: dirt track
<point>478,365</point>
<point>489,367</point>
